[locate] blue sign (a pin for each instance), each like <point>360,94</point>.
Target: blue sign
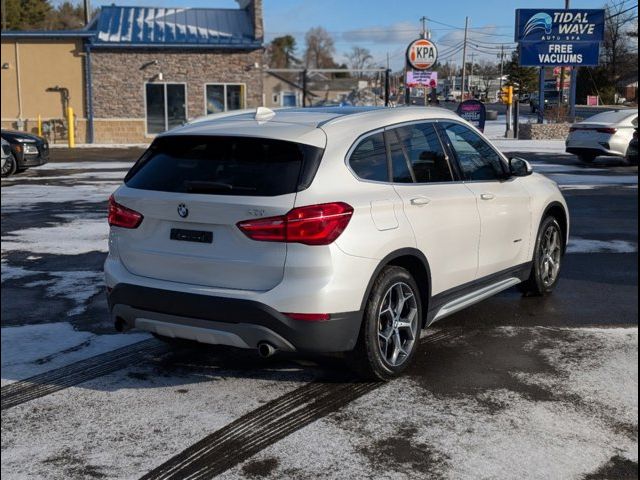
<point>555,25</point>
<point>551,54</point>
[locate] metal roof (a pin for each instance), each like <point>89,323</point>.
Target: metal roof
<point>121,26</point>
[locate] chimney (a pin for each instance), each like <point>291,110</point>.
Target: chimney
<point>254,7</point>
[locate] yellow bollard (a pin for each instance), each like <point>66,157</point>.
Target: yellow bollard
<point>39,125</point>
<point>71,129</point>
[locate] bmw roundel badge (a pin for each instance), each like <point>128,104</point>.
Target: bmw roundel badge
<point>183,211</point>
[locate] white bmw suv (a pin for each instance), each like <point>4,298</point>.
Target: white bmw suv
<point>326,230</point>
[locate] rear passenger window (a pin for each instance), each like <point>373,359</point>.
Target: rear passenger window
<point>417,155</point>
<point>369,159</point>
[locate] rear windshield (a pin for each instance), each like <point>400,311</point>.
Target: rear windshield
<point>225,166</point>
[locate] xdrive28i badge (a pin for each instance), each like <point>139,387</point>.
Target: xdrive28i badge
<point>183,211</point>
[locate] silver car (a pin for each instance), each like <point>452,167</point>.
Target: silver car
<point>607,133</point>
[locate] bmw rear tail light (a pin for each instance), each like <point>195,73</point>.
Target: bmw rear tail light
<point>573,129</point>
<point>121,216</point>
<point>607,130</point>
<point>311,225</point>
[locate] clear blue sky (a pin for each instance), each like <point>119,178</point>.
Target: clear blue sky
<point>387,26</point>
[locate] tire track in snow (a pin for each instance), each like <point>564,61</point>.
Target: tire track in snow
<point>248,435</point>
<point>93,367</point>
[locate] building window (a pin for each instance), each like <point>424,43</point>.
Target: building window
<point>166,106</point>
<point>289,99</point>
<point>221,97</point>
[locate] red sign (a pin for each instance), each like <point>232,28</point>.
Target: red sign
<point>422,54</point>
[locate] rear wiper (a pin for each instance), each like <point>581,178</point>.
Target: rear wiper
<point>205,186</point>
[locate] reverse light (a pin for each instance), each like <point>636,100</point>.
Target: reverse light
<point>121,216</point>
<point>309,317</point>
<point>311,225</point>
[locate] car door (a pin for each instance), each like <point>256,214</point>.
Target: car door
<point>441,210</point>
<point>503,201</point>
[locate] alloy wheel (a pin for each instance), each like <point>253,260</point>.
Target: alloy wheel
<point>397,324</point>
<point>550,255</point>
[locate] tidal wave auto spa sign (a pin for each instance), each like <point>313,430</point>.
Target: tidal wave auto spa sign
<point>559,37</point>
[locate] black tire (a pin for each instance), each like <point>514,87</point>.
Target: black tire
<point>10,167</point>
<point>367,358</point>
<point>538,283</point>
<point>587,158</point>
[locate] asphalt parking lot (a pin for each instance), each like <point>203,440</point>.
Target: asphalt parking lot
<point>511,388</point>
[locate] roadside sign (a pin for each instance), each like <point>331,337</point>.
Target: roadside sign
<point>592,100</point>
<point>554,37</point>
<point>558,25</point>
<point>422,54</point>
<point>474,112</point>
<point>422,78</point>
<point>547,54</point>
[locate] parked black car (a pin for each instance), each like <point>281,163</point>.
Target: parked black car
<point>632,150</point>
<point>28,150</point>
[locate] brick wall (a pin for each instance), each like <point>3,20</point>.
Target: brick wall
<point>119,76</point>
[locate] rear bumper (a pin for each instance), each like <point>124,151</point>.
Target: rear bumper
<point>229,321</point>
<point>595,151</point>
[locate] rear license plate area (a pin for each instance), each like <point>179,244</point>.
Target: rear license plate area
<point>198,236</point>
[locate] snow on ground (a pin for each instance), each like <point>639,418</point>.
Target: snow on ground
<point>404,430</point>
<point>124,424</point>
<point>595,180</point>
<point>117,174</point>
<point>86,166</point>
<point>26,197</point>
<point>29,350</point>
<point>80,235</point>
<point>10,272</point>
<point>585,245</point>
<point>77,286</point>
<point>535,146</point>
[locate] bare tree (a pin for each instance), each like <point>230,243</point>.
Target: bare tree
<point>488,73</point>
<point>319,49</point>
<point>359,58</point>
<point>616,40</point>
<point>280,52</point>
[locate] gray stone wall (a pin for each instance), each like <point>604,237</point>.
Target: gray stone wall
<point>119,76</point>
<point>543,131</point>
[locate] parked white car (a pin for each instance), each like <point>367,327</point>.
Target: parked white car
<point>608,133</point>
<point>326,230</point>
<point>8,160</point>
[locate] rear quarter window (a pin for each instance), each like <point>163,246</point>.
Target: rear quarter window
<point>225,166</point>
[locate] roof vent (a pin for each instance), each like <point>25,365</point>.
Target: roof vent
<point>264,114</point>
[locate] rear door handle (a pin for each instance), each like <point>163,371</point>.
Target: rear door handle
<point>419,201</point>
<point>487,196</point>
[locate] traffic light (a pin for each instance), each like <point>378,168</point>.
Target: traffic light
<point>506,95</point>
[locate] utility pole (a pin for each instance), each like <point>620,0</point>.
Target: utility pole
<point>561,94</point>
<point>464,57</point>
<point>501,64</point>
<point>423,19</point>
<point>473,56</point>
<point>87,12</point>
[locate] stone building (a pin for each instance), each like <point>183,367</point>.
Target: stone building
<point>134,72</point>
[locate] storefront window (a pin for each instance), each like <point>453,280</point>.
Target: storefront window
<point>166,106</point>
<point>224,97</point>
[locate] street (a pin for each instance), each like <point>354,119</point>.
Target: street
<point>514,387</point>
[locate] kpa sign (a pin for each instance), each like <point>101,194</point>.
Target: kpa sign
<point>422,54</point>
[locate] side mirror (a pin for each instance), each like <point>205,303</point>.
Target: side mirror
<point>519,167</point>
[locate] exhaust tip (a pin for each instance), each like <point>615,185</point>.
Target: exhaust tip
<point>266,350</point>
<point>120,324</point>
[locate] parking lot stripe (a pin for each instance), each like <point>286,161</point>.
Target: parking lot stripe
<point>54,380</point>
